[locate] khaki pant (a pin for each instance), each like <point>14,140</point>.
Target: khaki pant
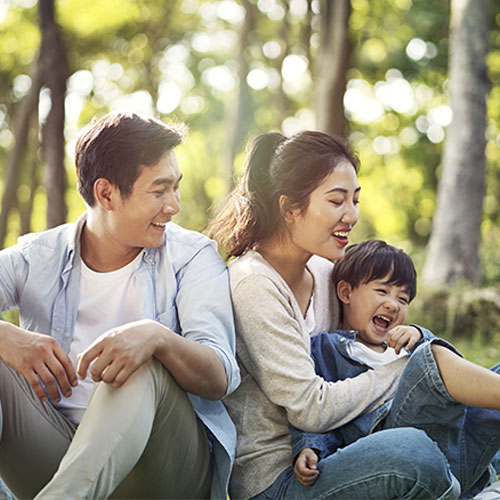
<point>142,440</point>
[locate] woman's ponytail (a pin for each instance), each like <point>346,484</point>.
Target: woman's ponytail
<point>248,210</point>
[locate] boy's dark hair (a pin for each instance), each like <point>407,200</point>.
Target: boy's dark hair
<point>116,145</point>
<point>373,260</point>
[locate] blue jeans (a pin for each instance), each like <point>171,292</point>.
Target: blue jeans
<point>395,463</point>
<point>468,437</point>
<point>398,460</point>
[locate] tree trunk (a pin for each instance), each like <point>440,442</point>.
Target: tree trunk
<point>238,113</point>
<point>13,168</point>
<point>334,60</point>
<point>55,66</point>
<point>26,209</point>
<point>453,252</point>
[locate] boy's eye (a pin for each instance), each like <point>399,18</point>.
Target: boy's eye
<point>381,290</point>
<point>404,300</point>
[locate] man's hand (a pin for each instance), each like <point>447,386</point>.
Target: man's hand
<point>305,468</point>
<point>403,336</point>
<point>38,357</point>
<point>119,352</point>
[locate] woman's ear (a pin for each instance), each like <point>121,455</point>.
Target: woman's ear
<point>104,193</point>
<point>344,291</point>
<point>287,212</point>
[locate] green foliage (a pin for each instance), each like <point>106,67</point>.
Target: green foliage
<point>179,60</point>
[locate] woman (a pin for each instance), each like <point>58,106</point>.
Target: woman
<point>291,216</point>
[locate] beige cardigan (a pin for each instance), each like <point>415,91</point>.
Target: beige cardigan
<point>279,384</point>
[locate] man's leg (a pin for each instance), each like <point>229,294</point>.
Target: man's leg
<point>140,440</point>
<point>34,436</point>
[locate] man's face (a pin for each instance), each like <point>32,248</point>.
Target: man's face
<point>373,308</point>
<point>139,220</point>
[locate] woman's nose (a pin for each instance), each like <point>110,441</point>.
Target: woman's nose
<point>351,215</point>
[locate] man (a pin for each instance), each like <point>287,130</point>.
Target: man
<point>126,336</point>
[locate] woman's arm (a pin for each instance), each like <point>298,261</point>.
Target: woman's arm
<point>275,352</point>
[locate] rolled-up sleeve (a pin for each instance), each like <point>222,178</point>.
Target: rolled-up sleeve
<point>13,271</point>
<point>205,311</point>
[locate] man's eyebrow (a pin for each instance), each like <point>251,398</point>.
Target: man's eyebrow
<point>169,181</point>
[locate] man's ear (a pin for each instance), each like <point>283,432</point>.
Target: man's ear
<point>104,193</point>
<point>344,291</point>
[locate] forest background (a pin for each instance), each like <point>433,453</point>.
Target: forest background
<point>412,84</point>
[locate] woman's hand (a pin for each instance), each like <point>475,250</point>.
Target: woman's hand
<point>305,468</point>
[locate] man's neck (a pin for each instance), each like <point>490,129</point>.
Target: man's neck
<point>99,252</point>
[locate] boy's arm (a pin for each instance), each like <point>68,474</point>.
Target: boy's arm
<point>324,444</point>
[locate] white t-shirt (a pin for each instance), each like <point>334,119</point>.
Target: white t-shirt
<point>373,358</point>
<point>107,300</point>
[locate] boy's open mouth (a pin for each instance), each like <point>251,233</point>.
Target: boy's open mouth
<point>382,321</point>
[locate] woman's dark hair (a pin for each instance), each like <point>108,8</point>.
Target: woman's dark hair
<point>116,145</point>
<point>275,166</point>
<point>373,260</point>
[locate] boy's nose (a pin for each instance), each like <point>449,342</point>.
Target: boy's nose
<point>391,304</point>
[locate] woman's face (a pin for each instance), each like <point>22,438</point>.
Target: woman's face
<point>323,229</point>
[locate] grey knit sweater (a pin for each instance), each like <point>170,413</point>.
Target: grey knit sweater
<point>279,384</point>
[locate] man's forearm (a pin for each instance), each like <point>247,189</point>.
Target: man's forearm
<point>195,367</point>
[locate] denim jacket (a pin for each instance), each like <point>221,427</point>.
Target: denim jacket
<point>333,362</point>
<point>184,285</point>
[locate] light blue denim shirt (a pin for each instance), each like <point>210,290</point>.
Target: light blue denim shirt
<point>184,285</point>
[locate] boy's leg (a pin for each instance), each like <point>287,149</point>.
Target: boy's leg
<point>423,401</point>
<point>381,465</point>
<point>34,436</point>
<point>140,440</point>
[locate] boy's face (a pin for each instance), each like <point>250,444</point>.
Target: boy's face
<point>372,309</point>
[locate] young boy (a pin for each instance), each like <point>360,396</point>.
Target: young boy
<point>375,283</point>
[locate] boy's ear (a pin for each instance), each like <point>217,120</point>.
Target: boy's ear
<point>344,291</point>
<point>104,193</point>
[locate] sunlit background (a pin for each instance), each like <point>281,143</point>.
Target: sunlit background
<point>181,61</point>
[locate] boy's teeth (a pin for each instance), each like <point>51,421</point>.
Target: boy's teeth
<point>159,224</point>
<point>383,319</point>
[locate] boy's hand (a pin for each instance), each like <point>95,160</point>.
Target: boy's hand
<point>403,336</point>
<point>305,468</point>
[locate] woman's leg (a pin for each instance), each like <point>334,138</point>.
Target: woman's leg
<point>423,401</point>
<point>142,440</point>
<point>34,436</point>
<point>394,463</point>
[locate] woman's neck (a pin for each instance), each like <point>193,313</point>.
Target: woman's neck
<point>291,265</point>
